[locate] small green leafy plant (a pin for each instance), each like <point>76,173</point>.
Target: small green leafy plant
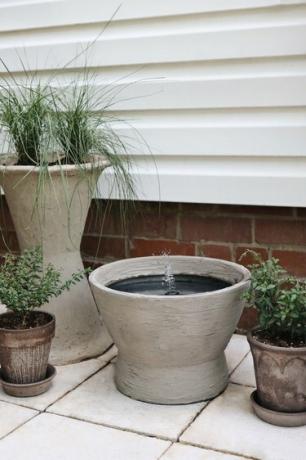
<point>280,300</point>
<point>25,284</point>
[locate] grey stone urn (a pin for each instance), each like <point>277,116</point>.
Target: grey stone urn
<point>53,216</point>
<point>171,347</point>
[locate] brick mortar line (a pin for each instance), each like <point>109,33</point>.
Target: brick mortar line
<point>148,238</point>
<point>179,223</point>
<point>256,244</point>
<point>285,247</point>
<point>240,215</point>
<point>105,235</point>
<point>245,216</point>
<point>253,232</point>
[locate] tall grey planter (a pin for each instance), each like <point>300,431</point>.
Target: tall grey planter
<point>52,214</point>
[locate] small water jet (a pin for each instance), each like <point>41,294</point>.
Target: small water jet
<point>169,281</point>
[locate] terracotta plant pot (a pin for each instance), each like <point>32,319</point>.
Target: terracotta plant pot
<point>24,353</point>
<point>53,216</point>
<point>171,347</point>
<point>280,376</point>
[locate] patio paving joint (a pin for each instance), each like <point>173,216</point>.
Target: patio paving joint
<point>242,385</point>
<point>166,450</point>
<point>194,418</point>
<point>208,402</point>
<point>104,365</point>
<point>220,451</point>
<point>114,427</point>
<point>240,362</point>
<point>20,425</point>
<point>13,403</point>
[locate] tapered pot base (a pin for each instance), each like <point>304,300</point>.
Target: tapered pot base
<point>174,385</point>
<point>80,333</point>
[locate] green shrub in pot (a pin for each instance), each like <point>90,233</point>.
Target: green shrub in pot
<point>278,344</point>
<point>26,332</point>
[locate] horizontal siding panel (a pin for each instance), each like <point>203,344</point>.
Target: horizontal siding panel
<point>239,117</point>
<point>263,141</point>
<point>276,66</point>
<point>265,191</point>
<point>236,44</point>
<point>43,14</point>
<point>163,94</point>
<point>162,25</point>
<point>231,181</point>
<point>224,93</point>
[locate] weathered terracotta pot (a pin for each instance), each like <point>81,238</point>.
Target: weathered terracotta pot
<point>280,376</point>
<point>24,353</point>
<point>53,216</point>
<point>171,348</point>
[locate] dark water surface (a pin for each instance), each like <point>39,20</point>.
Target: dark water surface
<point>155,284</point>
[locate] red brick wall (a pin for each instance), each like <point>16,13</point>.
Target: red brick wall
<point>192,229</point>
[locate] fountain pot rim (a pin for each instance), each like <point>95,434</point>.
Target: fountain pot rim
<point>95,275</point>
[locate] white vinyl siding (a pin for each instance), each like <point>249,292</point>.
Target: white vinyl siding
<point>216,88</point>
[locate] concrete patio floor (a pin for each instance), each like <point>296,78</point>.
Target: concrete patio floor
<point>83,417</point>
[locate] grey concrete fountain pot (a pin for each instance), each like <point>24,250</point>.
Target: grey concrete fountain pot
<point>171,347</point>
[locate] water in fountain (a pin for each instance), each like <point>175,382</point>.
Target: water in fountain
<point>168,283</point>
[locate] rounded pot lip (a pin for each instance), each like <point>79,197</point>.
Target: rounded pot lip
<point>268,347</point>
<point>22,331</point>
<point>96,163</point>
<point>240,268</point>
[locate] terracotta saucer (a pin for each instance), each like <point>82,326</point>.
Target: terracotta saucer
<point>277,418</point>
<point>23,390</point>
